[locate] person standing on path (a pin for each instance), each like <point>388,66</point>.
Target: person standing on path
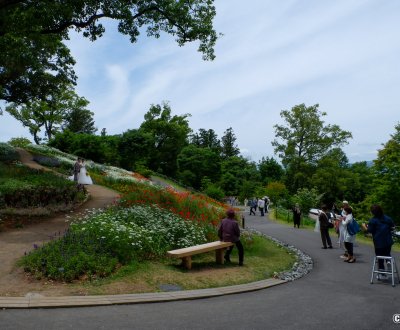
<point>261,205</point>
<point>342,229</point>
<point>77,169</point>
<point>381,227</point>
<point>348,239</point>
<point>324,228</point>
<point>296,216</point>
<point>84,177</point>
<point>253,206</point>
<point>229,231</point>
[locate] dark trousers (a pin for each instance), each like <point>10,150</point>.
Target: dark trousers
<point>325,236</point>
<point>385,252</point>
<point>240,251</point>
<point>349,248</point>
<point>252,208</point>
<point>297,222</point>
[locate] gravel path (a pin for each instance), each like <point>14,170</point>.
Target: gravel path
<point>14,243</point>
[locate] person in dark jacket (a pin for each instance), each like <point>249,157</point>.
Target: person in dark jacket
<point>229,231</point>
<point>324,227</point>
<point>296,215</point>
<point>381,227</point>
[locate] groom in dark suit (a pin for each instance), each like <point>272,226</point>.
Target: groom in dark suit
<point>77,169</point>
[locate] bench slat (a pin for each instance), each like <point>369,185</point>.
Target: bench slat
<point>192,250</point>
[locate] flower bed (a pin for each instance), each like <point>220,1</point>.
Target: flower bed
<point>100,241</point>
<point>22,187</point>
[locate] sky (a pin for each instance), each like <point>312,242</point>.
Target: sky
<point>273,55</point>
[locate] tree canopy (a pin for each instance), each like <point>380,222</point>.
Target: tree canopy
<point>305,136</point>
<point>51,112</point>
<point>169,133</point>
<point>386,190</point>
<point>303,141</point>
<point>34,59</point>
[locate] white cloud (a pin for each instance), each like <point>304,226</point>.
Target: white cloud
<point>273,55</point>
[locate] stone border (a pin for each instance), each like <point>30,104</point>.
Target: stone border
<point>303,265</point>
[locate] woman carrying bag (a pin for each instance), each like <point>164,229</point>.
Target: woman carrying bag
<point>348,238</point>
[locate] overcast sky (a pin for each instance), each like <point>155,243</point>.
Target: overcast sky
<point>342,54</point>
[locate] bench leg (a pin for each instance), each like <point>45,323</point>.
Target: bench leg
<point>219,256</point>
<point>187,262</point>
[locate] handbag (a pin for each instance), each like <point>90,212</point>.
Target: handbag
<point>353,227</point>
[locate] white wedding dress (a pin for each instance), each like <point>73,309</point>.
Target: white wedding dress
<point>84,177</point>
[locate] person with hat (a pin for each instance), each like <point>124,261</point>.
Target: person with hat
<point>229,231</point>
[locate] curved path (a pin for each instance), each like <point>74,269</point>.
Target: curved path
<point>14,243</point>
<point>335,295</point>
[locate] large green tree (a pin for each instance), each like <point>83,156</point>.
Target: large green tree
<point>79,119</point>
<point>195,164</point>
<point>170,135</point>
<point>229,148</point>
<point>386,188</point>
<point>134,149</point>
<point>206,139</point>
<point>303,140</point>
<point>34,59</point>
<point>237,170</point>
<point>270,170</point>
<point>47,114</point>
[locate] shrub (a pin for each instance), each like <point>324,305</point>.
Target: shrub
<point>22,187</point>
<point>8,153</point>
<point>69,257</point>
<point>214,192</point>
<point>20,142</point>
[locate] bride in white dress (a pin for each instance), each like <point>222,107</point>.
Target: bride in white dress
<point>83,176</point>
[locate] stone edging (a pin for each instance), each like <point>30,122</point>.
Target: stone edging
<point>303,265</point>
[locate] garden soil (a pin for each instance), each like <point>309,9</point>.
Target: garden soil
<point>14,242</point>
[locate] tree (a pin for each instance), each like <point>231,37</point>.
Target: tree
<point>304,140</point>
<point>270,170</point>
<point>307,199</point>
<point>79,119</point>
<point>196,163</point>
<point>33,58</point>
<point>48,113</point>
<point>169,134</point>
<point>386,191</point>
<point>332,176</point>
<point>100,149</point>
<point>237,170</point>
<point>206,139</point>
<point>134,149</point>
<point>229,146</point>
<point>277,192</point>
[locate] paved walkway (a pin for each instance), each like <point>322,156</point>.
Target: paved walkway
<point>335,295</point>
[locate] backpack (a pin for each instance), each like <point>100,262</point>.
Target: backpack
<point>353,227</point>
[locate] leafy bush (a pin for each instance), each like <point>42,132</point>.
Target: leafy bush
<point>214,192</point>
<point>20,142</point>
<point>69,257</point>
<point>22,187</point>
<point>8,153</point>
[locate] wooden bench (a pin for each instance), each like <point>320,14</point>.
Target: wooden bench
<point>186,253</point>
